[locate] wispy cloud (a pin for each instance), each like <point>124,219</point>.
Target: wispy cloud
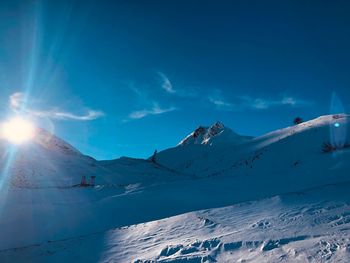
<point>293,101</point>
<point>168,87</point>
<point>155,110</point>
<point>254,103</point>
<point>16,102</point>
<point>221,104</point>
<point>61,115</point>
<point>165,83</point>
<point>263,103</point>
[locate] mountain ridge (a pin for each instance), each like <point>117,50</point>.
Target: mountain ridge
<point>209,135</point>
<point>182,179</point>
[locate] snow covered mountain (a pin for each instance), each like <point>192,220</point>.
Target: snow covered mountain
<point>212,167</point>
<point>203,141</point>
<point>213,135</point>
<point>287,151</point>
<point>48,161</point>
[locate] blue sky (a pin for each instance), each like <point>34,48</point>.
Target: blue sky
<point>122,78</point>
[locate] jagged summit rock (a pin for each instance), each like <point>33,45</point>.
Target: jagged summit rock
<point>217,133</point>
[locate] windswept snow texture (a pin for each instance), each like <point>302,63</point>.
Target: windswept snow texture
<point>311,226</point>
<point>41,201</point>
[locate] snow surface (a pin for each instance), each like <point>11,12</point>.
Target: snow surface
<point>311,226</point>
<point>45,217</point>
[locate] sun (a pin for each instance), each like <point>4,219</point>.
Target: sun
<point>18,130</point>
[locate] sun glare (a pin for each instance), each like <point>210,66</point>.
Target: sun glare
<point>18,130</point>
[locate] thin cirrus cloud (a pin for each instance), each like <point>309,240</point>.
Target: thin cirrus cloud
<point>17,101</point>
<point>221,104</point>
<point>168,87</point>
<point>252,103</point>
<point>154,110</point>
<point>238,103</point>
<point>61,115</point>
<point>262,103</point>
<point>165,83</point>
<point>149,99</point>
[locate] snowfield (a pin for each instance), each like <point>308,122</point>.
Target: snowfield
<point>312,226</point>
<point>275,198</point>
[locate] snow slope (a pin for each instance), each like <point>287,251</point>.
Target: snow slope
<point>45,162</point>
<point>50,162</point>
<point>311,226</point>
<point>40,180</point>
<point>189,177</point>
<point>273,153</point>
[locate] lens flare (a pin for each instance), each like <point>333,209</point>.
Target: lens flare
<point>338,128</point>
<point>18,130</point>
